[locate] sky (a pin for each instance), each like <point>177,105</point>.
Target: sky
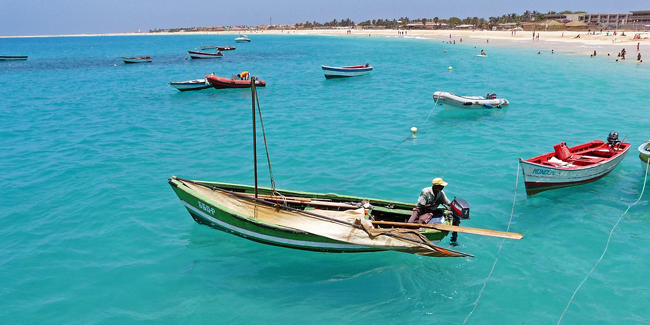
<point>54,17</point>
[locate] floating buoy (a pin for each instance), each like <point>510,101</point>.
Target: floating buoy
<point>451,68</point>
<point>413,131</point>
<point>445,51</point>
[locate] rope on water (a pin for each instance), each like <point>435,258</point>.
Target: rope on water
<point>514,200</point>
<point>607,245</point>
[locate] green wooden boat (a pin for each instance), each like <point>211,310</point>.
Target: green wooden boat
<point>313,221</point>
<point>233,208</point>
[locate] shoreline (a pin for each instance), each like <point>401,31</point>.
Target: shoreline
<point>560,41</point>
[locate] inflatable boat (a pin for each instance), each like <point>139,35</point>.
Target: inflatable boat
<point>470,101</point>
<point>221,82</point>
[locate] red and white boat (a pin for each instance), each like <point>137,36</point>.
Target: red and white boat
<point>225,48</point>
<point>221,82</point>
<point>573,166</point>
<point>204,55</point>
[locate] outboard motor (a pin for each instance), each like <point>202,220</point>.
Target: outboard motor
<point>459,210</point>
<point>612,139</point>
<point>491,96</point>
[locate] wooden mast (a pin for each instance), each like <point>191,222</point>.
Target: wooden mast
<point>253,94</point>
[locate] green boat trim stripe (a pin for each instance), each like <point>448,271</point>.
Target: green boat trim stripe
<point>270,238</point>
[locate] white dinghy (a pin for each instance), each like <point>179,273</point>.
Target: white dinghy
<point>470,101</point>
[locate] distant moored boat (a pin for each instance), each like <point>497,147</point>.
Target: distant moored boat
<point>242,39</point>
<point>489,101</point>
<point>12,58</point>
<point>344,72</point>
<point>139,59</point>
<point>204,55</point>
<point>194,84</point>
<point>221,82</point>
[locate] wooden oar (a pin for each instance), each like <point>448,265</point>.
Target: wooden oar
<point>465,230</point>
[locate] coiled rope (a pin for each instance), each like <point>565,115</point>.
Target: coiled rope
<point>514,200</point>
<point>607,245</point>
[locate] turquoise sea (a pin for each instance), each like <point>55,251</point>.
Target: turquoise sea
<point>91,233</point>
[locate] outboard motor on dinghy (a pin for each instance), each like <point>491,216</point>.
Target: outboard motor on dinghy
<point>612,139</point>
<point>491,96</point>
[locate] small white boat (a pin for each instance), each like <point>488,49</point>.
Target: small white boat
<point>139,59</point>
<point>204,55</point>
<point>207,47</point>
<point>12,58</point>
<point>644,155</point>
<point>344,72</point>
<point>482,55</point>
<point>242,39</point>
<point>470,101</point>
<point>194,84</point>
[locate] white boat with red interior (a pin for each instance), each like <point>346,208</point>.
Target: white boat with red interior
<point>568,166</point>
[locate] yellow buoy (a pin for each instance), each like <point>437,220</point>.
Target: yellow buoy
<point>451,68</point>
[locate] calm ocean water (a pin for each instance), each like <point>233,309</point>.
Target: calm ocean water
<point>90,231</point>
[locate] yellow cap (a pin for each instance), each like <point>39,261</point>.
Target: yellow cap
<point>438,181</point>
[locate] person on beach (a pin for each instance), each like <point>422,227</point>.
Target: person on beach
<point>637,46</point>
<point>594,52</point>
<point>430,198</point>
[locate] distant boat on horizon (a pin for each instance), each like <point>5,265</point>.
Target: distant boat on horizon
<point>242,39</point>
<point>194,84</point>
<point>138,59</point>
<point>12,58</point>
<point>344,72</point>
<point>204,55</point>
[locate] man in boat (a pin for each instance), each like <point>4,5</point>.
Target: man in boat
<point>243,75</point>
<point>430,198</point>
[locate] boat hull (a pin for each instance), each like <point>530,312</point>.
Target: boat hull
<point>242,40</point>
<point>644,155</point>
<point>205,212</point>
<point>225,48</point>
<point>450,99</point>
<point>12,58</point>
<point>345,72</point>
<point>203,55</point>
<point>136,60</point>
<point>225,83</point>
<point>195,84</point>
<point>539,178</point>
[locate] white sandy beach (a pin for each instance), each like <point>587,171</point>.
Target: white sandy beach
<point>559,41</point>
